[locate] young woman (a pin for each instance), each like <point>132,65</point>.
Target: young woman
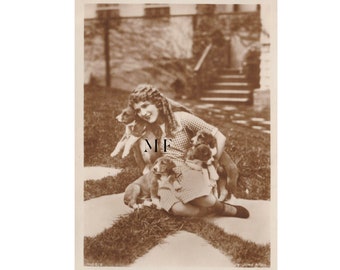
<point>173,122</point>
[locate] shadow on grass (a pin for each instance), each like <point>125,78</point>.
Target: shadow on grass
<point>135,234</point>
<point>110,184</point>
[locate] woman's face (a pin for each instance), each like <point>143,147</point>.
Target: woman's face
<point>147,111</point>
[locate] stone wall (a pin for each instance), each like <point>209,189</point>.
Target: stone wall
<point>141,50</point>
<point>94,64</point>
<point>265,67</point>
<point>161,50</point>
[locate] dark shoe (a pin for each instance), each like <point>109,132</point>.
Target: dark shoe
<point>241,212</point>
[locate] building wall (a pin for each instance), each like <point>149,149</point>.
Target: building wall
<point>266,19</point>
<point>150,40</point>
<point>137,10</point>
<point>138,49</point>
<point>149,50</point>
<point>247,8</point>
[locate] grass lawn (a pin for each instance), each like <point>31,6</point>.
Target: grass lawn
<point>121,244</point>
<point>135,234</point>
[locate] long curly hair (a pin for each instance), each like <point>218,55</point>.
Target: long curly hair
<point>166,106</point>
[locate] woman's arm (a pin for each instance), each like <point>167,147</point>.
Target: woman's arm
<point>221,139</point>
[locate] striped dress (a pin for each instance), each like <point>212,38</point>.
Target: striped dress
<point>194,185</point>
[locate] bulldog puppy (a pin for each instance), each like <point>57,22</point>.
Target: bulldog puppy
<point>225,166</point>
<point>199,157</point>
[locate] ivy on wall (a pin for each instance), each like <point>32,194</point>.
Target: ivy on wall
<point>250,23</point>
<point>245,25</point>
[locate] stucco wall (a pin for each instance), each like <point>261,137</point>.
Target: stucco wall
<point>136,46</point>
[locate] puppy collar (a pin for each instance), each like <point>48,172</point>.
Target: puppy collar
<point>193,165</point>
<point>210,161</point>
<point>131,124</point>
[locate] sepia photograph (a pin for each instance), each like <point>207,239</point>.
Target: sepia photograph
<point>175,134</point>
<point>169,135</point>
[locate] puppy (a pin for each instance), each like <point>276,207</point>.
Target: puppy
<point>200,157</point>
<point>198,154</point>
<point>146,186</point>
<point>133,131</point>
<point>133,138</point>
<point>226,167</point>
<point>163,168</point>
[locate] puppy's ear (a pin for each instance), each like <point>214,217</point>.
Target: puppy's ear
<point>189,154</point>
<point>207,153</point>
<point>170,166</point>
<point>170,170</point>
<point>130,109</point>
<point>211,140</point>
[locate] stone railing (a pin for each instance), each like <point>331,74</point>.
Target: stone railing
<point>251,66</point>
<point>214,58</point>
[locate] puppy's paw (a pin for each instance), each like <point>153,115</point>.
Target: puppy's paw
<point>156,202</point>
<point>177,185</point>
<point>147,203</point>
<point>125,154</point>
<point>223,195</point>
<point>114,153</point>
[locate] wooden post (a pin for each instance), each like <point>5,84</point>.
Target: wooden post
<point>107,48</point>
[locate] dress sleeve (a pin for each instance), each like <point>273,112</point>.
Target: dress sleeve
<point>195,123</point>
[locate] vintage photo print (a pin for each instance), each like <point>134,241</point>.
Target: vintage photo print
<point>175,134</point>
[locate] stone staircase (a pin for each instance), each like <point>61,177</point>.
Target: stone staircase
<point>230,87</point>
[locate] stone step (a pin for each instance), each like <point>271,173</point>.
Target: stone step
<point>231,78</point>
<point>232,93</point>
<point>224,99</point>
<point>228,91</point>
<point>231,85</point>
<point>231,71</point>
